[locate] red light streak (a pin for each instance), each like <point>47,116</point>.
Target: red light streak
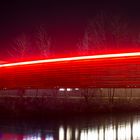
<point>72,59</point>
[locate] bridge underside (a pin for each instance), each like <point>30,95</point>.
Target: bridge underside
<point>121,72</point>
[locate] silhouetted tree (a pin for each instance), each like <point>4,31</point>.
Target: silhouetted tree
<point>43,41</point>
<point>83,46</point>
<point>20,46</point>
<point>105,32</point>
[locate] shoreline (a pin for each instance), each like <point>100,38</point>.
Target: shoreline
<point>55,107</point>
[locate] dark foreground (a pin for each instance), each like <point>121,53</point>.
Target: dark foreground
<point>69,118</point>
<point>99,127</point>
<point>42,107</point>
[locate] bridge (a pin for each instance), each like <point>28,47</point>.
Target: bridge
<point>120,70</point>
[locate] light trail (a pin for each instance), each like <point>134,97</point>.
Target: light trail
<point>72,59</point>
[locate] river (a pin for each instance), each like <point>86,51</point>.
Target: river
<point>101,127</point>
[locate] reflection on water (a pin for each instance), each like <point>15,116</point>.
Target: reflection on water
<point>119,131</point>
<point>96,128</point>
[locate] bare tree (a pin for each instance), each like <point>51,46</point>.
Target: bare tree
<point>120,33</point>
<point>104,32</point>
<point>22,44</point>
<point>83,46</point>
<point>19,51</point>
<point>94,38</point>
<point>89,94</point>
<point>43,41</point>
<point>20,47</point>
<point>97,34</point>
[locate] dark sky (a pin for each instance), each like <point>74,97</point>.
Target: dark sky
<point>65,20</point>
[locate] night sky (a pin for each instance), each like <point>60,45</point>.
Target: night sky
<point>65,21</point>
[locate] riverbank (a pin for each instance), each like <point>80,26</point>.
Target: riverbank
<point>65,106</point>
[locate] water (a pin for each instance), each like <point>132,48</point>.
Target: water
<point>102,127</point>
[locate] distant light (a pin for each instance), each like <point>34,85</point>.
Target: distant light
<point>61,89</point>
<point>72,58</point>
<point>69,89</point>
<point>76,88</point>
